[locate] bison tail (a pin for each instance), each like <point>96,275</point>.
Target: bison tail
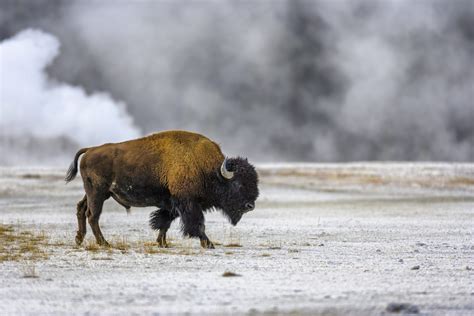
<point>72,171</point>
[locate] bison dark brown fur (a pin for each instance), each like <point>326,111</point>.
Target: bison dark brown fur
<point>183,174</point>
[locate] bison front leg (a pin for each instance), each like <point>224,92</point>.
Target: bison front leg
<point>192,221</point>
<point>161,220</point>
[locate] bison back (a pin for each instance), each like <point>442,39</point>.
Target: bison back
<point>177,160</point>
<point>186,159</point>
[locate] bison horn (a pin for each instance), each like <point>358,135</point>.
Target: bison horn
<point>226,173</point>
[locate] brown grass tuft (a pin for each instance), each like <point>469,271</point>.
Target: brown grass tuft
<point>121,245</point>
<point>21,245</point>
<point>31,176</point>
<point>233,245</point>
<point>92,246</point>
<point>102,258</point>
<point>461,181</point>
<point>151,248</point>
<point>4,229</point>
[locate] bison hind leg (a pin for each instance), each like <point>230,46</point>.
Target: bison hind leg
<point>81,220</point>
<point>95,203</point>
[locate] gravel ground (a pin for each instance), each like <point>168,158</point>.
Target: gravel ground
<point>330,240</point>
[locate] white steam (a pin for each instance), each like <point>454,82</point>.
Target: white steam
<point>282,80</point>
<point>32,105</point>
<point>292,80</point>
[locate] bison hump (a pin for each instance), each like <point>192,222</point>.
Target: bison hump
<point>185,163</point>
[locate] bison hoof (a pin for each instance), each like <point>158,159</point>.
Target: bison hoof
<point>161,240</point>
<point>163,244</point>
<point>103,243</point>
<point>79,239</point>
<point>207,244</point>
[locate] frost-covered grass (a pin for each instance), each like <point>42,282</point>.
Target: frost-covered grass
<point>313,245</point>
<point>17,244</point>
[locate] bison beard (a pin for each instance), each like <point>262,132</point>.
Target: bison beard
<point>192,221</point>
<point>183,174</point>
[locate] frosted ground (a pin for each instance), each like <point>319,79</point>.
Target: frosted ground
<point>329,239</point>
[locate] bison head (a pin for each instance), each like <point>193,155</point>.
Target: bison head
<point>236,189</point>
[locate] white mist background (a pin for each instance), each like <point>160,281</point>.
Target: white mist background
<point>271,80</point>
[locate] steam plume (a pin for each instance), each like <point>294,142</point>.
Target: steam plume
<point>34,106</point>
<point>279,80</point>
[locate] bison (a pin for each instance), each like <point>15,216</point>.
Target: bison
<point>183,174</point>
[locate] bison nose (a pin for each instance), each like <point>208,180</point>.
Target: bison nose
<point>249,206</point>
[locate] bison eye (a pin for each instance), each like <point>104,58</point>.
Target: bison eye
<point>237,186</point>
